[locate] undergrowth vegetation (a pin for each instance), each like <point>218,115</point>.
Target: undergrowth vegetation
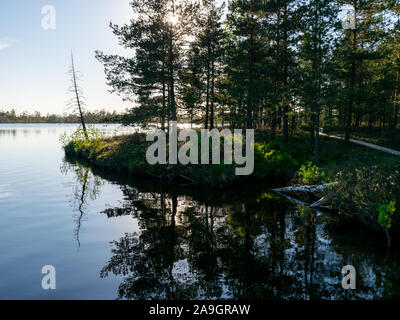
<point>310,174</point>
<point>273,161</point>
<point>78,140</point>
<point>368,186</point>
<point>370,193</point>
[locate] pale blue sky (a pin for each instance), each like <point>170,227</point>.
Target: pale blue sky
<point>34,62</point>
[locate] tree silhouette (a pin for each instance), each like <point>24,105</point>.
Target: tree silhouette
<point>77,101</point>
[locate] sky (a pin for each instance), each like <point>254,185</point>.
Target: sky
<point>34,61</point>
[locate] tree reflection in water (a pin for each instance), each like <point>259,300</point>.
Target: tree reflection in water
<point>243,245</point>
<point>87,188</point>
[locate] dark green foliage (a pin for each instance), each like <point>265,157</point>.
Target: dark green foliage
<point>364,192</point>
<point>275,65</point>
<point>208,44</point>
<point>386,213</point>
<point>273,161</point>
<point>312,175</point>
<point>157,36</point>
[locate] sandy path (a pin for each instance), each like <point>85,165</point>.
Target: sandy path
<point>366,144</point>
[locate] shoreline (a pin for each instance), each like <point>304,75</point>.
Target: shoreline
<point>126,154</point>
<point>275,165</point>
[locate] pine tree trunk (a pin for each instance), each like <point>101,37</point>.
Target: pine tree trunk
<point>212,92</point>
<point>395,105</point>
<point>317,139</point>
<point>172,102</point>
<point>285,82</point>
<point>312,127</point>
<point>353,85</point>
<point>207,89</point>
<point>164,106</point>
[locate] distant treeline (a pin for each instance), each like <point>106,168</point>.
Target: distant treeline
<point>98,116</point>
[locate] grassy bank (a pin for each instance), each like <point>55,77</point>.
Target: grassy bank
<point>273,161</point>
<point>368,180</point>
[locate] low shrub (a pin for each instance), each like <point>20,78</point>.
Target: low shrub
<point>386,213</point>
<point>272,160</point>
<point>80,143</point>
<point>370,194</point>
<point>310,174</point>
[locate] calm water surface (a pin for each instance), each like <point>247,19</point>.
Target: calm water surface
<point>111,238</point>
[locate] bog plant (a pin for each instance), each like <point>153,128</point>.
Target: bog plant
<point>385,216</point>
<point>310,174</point>
<point>79,141</point>
<point>386,213</point>
<point>272,160</point>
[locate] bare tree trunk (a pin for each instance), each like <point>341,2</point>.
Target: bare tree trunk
<point>78,100</point>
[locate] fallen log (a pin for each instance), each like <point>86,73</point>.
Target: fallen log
<point>310,189</point>
<point>320,203</point>
<point>291,199</point>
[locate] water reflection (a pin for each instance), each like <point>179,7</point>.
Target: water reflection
<point>4,132</point>
<point>37,130</point>
<point>197,244</point>
<point>86,189</point>
<point>4,194</point>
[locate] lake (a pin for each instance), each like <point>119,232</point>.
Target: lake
<point>116,237</point>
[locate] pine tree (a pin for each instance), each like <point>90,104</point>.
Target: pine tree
<point>209,38</point>
<point>246,61</point>
<point>283,22</point>
<point>157,35</point>
<point>192,87</point>
<point>358,45</point>
<point>318,20</point>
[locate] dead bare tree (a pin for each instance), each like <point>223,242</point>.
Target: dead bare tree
<point>77,101</point>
